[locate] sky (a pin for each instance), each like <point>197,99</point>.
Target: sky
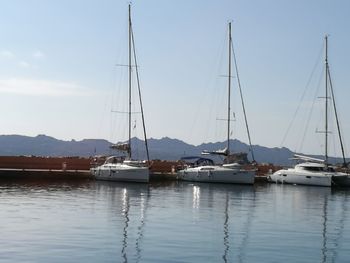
<point>59,72</point>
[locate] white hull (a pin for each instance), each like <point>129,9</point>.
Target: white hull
<point>292,176</point>
<point>121,172</point>
<point>217,174</point>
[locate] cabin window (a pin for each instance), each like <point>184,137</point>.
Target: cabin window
<point>207,169</point>
<point>313,169</point>
<point>309,177</point>
<point>284,174</point>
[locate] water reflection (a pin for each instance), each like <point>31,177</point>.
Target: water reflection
<point>140,229</point>
<point>172,222</point>
<point>325,209</point>
<point>247,228</point>
<point>125,213</point>
<point>196,197</point>
<point>324,232</point>
<point>226,231</point>
<point>44,184</point>
<point>238,203</point>
<point>130,209</point>
<point>332,232</point>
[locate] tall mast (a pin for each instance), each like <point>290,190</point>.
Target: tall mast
<point>129,65</point>
<point>229,88</point>
<point>326,111</point>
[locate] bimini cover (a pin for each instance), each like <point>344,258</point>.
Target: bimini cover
<point>197,160</point>
<point>125,147</point>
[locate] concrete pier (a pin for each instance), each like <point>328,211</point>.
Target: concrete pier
<point>48,174</point>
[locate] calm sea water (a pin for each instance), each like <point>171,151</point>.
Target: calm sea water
<point>176,222</point>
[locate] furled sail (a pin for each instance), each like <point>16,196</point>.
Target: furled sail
<point>217,152</point>
<point>307,158</point>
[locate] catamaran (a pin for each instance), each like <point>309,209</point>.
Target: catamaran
<point>229,172</point>
<point>314,171</point>
<point>120,168</point>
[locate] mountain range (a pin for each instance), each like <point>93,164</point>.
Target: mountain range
<point>163,149</point>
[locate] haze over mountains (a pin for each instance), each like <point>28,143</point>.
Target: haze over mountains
<point>164,149</point>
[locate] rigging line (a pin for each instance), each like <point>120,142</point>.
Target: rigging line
<point>133,112</point>
<point>119,78</point>
<point>310,114</point>
<point>336,115</point>
<point>115,99</point>
<point>220,119</point>
<point>218,99</point>
<point>302,97</point>
<point>207,108</point>
<point>242,101</point>
<point>120,95</point>
<point>123,65</point>
<point>139,90</point>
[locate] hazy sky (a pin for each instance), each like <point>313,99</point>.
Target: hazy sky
<point>58,73</point>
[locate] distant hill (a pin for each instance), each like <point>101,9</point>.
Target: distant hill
<point>164,149</point>
<point>43,145</point>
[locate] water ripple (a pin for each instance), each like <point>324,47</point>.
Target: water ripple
<point>175,222</point>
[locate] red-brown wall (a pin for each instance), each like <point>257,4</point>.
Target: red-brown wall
<point>54,163</point>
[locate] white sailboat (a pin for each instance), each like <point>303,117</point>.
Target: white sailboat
<point>313,171</point>
<point>227,173</point>
<point>126,169</point>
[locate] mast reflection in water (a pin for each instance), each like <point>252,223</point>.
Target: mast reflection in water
<point>174,222</point>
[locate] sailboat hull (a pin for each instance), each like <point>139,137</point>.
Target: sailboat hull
<point>315,171</point>
<point>217,174</point>
<point>291,176</point>
<point>343,181</point>
<point>121,172</point>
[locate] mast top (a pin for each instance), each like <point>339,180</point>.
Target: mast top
<point>326,49</point>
